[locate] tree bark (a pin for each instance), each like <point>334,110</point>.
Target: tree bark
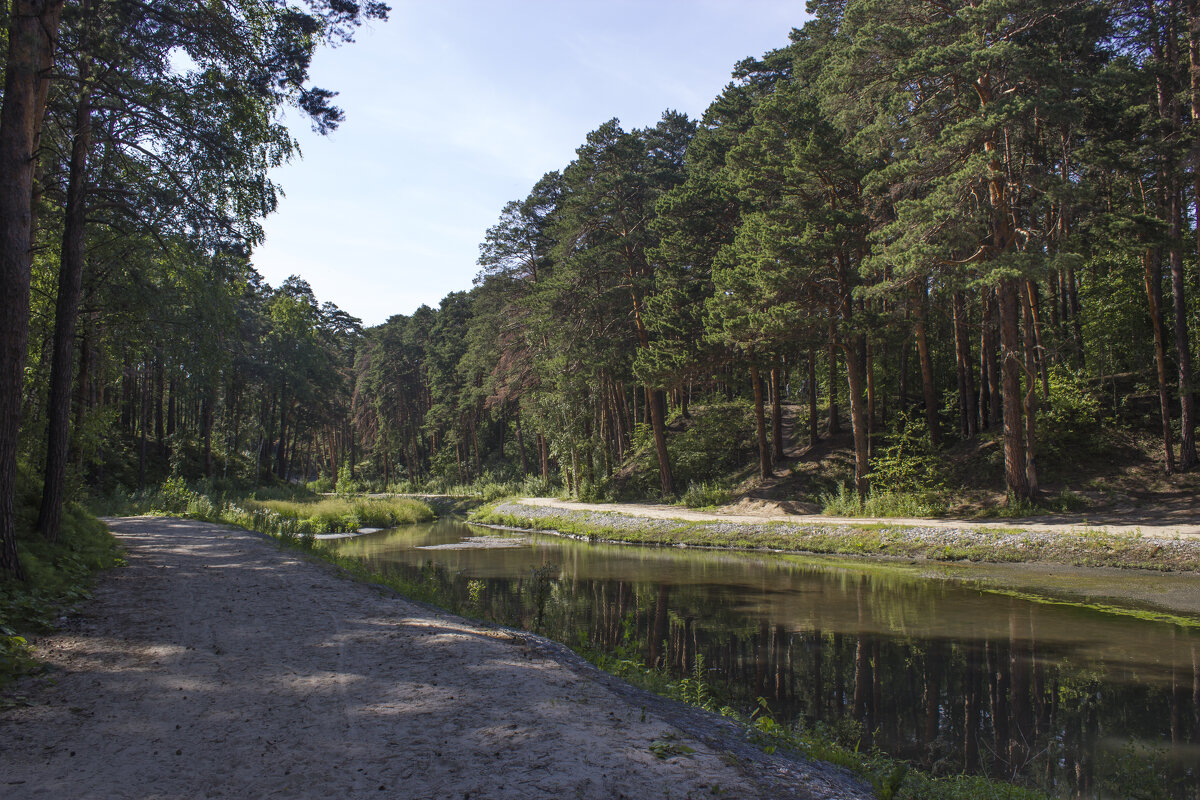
<point>1183,347</point>
<point>776,414</point>
<point>1152,263</point>
<point>834,425</point>
<point>764,450</point>
<point>812,397</point>
<point>1031,398</point>
<point>928,388</point>
<point>856,382</point>
<point>657,401</point>
<point>32,35</point>
<point>70,283</point>
<point>969,417</point>
<point>1015,478</point>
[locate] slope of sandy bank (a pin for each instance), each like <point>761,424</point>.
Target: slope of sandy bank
<point>1154,570</point>
<point>217,665</point>
<point>749,512</point>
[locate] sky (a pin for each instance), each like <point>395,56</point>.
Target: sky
<point>455,107</point>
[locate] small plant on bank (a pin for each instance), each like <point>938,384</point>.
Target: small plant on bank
<point>845,503</point>
<point>706,495</point>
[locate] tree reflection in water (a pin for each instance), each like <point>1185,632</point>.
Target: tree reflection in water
<point>1074,701</point>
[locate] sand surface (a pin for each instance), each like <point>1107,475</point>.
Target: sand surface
<point>218,665</point>
<point>1139,522</point>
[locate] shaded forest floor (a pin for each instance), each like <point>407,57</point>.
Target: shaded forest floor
<point>1115,477</point>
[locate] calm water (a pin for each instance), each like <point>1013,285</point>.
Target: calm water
<point>1079,702</point>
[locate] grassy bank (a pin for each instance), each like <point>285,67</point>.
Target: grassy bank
<point>285,511</point>
<point>59,576</point>
<point>1085,547</point>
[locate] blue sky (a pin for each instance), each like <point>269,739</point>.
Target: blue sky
<point>454,107</point>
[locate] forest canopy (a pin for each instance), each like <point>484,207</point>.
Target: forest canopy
<point>947,222</point>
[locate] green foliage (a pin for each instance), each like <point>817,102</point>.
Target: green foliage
<point>706,495</point>
<point>342,515</point>
<point>1072,423</point>
<point>907,464</point>
<point>285,510</point>
<point>346,483</point>
<point>845,503</point>
<point>714,443</point>
<point>324,485</point>
<point>59,575</point>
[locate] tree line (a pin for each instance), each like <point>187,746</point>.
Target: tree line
<point>136,140</point>
<point>947,209</point>
<point>911,204</point>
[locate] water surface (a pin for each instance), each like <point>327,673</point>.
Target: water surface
<point>1077,701</point>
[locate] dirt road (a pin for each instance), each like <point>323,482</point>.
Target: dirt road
<point>218,665</point>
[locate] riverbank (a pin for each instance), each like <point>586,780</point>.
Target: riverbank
<point>1092,566</point>
<point>219,664</point>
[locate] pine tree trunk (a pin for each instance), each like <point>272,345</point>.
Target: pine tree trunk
<point>1183,347</point>
<point>991,365</point>
<point>1152,261</point>
<point>544,455</point>
<point>1031,398</point>
<point>1034,308</point>
<point>869,369</point>
<point>834,425</point>
<point>966,375</point>
<point>66,311</point>
<point>82,383</point>
<point>812,397</point>
<point>764,450</point>
<point>855,380</point>
<point>32,34</point>
<point>521,444</point>
<point>928,388</point>
<point>656,401</point>
<point>776,415</point>
<point>1016,481</point>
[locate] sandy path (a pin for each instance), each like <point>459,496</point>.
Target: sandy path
<point>1128,523</point>
<point>218,665</point>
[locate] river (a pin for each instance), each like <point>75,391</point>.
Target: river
<point>1077,701</point>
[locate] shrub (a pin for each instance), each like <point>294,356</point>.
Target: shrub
<point>1071,422</point>
<point>907,464</point>
<point>712,445</point>
<point>878,503</point>
<point>705,495</point>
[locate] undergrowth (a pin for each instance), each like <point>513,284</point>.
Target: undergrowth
<point>59,575</point>
<point>294,513</point>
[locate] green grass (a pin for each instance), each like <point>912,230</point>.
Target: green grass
<point>706,495</point>
<point>1086,548</point>
<point>289,511</point>
<point>341,514</point>
<point>59,576</point>
<point>845,503</point>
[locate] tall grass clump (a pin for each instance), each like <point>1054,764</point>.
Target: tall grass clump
<point>280,511</point>
<point>342,514</point>
<point>845,503</point>
<point>705,495</point>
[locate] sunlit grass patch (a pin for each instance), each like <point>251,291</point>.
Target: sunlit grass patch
<point>342,514</point>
